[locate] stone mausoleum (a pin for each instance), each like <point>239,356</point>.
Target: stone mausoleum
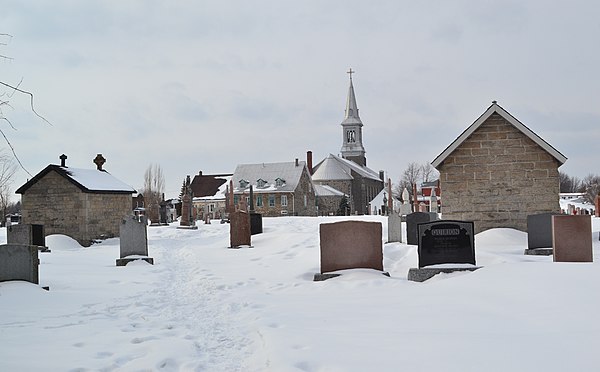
<point>497,172</point>
<point>85,204</point>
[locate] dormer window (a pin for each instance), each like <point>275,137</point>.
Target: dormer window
<point>279,182</point>
<point>244,184</point>
<point>260,183</point>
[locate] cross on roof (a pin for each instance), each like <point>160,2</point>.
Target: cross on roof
<point>350,72</point>
<point>99,161</point>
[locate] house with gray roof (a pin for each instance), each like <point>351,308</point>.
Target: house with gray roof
<point>497,172</point>
<point>279,189</point>
<point>85,204</point>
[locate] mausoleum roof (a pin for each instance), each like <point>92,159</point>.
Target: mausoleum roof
<point>88,180</point>
<point>496,108</point>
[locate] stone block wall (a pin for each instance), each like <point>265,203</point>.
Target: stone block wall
<point>63,208</point>
<point>497,177</point>
<point>329,204</point>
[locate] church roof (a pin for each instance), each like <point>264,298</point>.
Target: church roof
<point>331,169</point>
<point>87,180</point>
<point>288,174</point>
<point>351,114</point>
<point>325,190</point>
<point>495,108</point>
<point>337,168</point>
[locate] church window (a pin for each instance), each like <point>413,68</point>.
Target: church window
<point>284,200</point>
<point>351,136</point>
<point>259,201</point>
<point>271,200</point>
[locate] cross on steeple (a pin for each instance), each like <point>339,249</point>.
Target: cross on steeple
<point>350,71</point>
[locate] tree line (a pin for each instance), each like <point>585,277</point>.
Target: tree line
<point>589,186</point>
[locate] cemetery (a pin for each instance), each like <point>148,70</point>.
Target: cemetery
<point>199,294</point>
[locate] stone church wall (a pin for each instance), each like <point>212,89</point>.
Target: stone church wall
<point>497,177</point>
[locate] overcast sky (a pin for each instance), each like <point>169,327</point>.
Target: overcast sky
<point>198,85</point>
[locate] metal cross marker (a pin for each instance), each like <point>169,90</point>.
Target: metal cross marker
<point>351,72</point>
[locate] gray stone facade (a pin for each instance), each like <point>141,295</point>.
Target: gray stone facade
<point>63,208</point>
<point>499,175</point>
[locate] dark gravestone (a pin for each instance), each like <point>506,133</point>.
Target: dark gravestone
<point>411,225</point>
<point>350,245</point>
<point>133,237</point>
<point>539,234</point>
<point>19,262</point>
<point>256,225</point>
<point>239,229</point>
<point>28,234</point>
<point>163,218</point>
<point>444,242</point>
<point>572,238</point>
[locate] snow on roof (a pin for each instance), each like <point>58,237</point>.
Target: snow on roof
<point>95,180</point>
<point>326,190</point>
<point>88,180</point>
<point>338,168</point>
<point>288,172</point>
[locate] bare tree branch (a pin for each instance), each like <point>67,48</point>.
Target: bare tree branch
<point>14,153</point>
<point>30,99</point>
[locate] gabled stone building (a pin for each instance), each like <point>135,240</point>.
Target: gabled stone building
<point>280,189</point>
<point>85,204</point>
<point>497,172</point>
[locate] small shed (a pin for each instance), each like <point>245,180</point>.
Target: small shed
<point>85,204</point>
<point>497,172</point>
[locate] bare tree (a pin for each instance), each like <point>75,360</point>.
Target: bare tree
<point>568,183</point>
<point>590,186</point>
<point>428,172</point>
<point>154,187</point>
<point>7,171</point>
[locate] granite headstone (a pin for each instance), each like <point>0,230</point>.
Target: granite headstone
<point>350,245</point>
<point>572,238</point>
<point>239,229</point>
<point>412,220</point>
<point>394,228</point>
<point>27,234</point>
<point>539,234</point>
<point>19,262</point>
<point>133,236</point>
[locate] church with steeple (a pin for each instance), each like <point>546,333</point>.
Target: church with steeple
<point>348,173</point>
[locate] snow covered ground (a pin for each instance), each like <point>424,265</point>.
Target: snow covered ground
<point>203,307</point>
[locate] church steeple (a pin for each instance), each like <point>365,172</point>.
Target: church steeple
<point>352,146</point>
